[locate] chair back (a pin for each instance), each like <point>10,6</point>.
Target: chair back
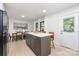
<point>13,34</point>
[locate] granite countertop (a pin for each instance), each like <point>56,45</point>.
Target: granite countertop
<point>39,34</point>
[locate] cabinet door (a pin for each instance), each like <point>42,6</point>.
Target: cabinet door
<point>27,39</point>
<point>37,45</point>
<point>32,41</point>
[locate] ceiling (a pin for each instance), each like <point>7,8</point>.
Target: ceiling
<point>33,11</point>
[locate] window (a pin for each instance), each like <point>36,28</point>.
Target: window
<point>36,26</point>
<point>42,26</point>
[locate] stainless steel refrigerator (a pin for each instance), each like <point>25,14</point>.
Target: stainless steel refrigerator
<point>3,32</point>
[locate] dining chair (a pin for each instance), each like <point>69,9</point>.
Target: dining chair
<point>19,35</point>
<point>9,37</point>
<point>14,37</point>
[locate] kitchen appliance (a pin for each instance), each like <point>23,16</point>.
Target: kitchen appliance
<point>3,32</point>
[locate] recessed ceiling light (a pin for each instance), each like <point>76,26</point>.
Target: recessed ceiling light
<point>22,16</point>
<point>45,17</point>
<point>44,11</point>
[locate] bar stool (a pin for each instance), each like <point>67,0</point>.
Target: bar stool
<point>52,39</point>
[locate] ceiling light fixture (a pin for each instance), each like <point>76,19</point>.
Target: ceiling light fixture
<point>22,16</point>
<point>44,11</point>
<point>45,17</point>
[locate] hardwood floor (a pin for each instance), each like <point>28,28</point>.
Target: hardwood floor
<point>19,48</point>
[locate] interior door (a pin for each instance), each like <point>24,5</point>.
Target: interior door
<point>69,31</point>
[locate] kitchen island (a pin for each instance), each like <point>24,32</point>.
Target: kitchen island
<point>39,43</point>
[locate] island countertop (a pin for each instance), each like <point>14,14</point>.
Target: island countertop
<point>39,34</point>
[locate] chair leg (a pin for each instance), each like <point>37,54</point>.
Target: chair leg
<point>12,38</point>
<point>52,44</point>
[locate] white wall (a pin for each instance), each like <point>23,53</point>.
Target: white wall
<point>54,24</point>
<point>11,29</point>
